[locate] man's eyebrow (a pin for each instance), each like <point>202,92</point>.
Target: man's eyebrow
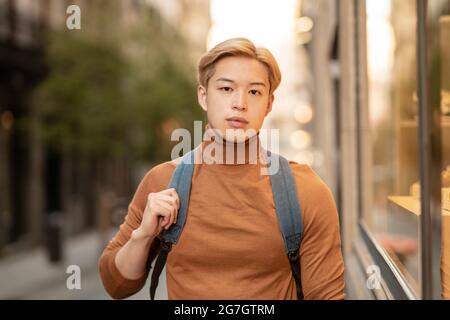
<point>257,83</point>
<point>225,80</point>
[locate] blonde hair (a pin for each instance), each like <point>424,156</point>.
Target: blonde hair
<point>238,47</point>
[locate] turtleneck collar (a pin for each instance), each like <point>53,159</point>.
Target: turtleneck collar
<point>216,150</point>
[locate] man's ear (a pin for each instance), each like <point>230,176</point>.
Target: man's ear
<point>201,95</point>
<point>269,106</point>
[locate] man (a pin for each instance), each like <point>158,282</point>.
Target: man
<point>231,246</point>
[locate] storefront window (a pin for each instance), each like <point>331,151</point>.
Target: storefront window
<point>439,34</point>
<point>393,207</point>
<point>393,215</point>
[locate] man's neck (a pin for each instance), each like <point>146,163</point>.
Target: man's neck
<point>218,150</point>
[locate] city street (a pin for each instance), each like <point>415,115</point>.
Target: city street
<point>29,275</point>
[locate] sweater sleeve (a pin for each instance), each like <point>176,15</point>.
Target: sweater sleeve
<point>321,261</point>
<point>117,286</point>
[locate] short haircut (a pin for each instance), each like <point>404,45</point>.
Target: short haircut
<point>238,47</point>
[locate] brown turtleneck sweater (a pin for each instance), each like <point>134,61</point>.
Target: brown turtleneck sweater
<point>231,246</point>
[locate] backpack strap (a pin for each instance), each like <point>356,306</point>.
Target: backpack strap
<point>289,215</point>
<point>181,181</point>
<point>286,203</point>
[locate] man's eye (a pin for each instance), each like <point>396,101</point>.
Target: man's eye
<point>255,92</point>
<point>226,89</point>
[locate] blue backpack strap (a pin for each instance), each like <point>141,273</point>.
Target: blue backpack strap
<point>181,181</point>
<point>289,215</point>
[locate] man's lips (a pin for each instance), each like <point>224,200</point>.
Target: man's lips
<point>237,122</point>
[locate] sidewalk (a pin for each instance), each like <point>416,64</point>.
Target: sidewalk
<point>30,276</point>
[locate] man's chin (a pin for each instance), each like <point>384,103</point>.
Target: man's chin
<point>239,135</point>
<point>232,135</point>
<point>236,139</point>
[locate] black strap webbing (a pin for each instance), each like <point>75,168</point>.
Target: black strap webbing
<point>294,259</point>
<point>159,266</point>
<point>153,252</point>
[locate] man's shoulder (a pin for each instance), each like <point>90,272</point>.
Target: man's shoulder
<point>159,175</point>
<point>309,184</point>
<point>316,198</point>
<point>303,172</point>
<point>163,167</point>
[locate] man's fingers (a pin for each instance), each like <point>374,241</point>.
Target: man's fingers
<point>168,191</point>
<point>177,204</point>
<point>161,222</point>
<point>173,193</point>
<point>170,218</point>
<point>165,204</point>
<point>165,221</point>
<point>173,211</point>
<point>172,200</point>
<point>174,216</point>
<point>161,210</point>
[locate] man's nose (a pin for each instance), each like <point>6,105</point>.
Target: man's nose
<point>240,102</point>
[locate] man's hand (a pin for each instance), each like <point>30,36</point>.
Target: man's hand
<point>160,212</point>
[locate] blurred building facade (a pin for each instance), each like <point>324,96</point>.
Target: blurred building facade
<point>22,66</point>
<point>42,189</point>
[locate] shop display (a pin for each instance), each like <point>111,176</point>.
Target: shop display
<point>414,190</point>
<point>446,177</point>
<point>446,199</point>
<point>444,24</point>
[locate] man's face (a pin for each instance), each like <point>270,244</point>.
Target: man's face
<point>237,97</point>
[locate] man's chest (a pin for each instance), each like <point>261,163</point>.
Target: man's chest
<point>230,224</point>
